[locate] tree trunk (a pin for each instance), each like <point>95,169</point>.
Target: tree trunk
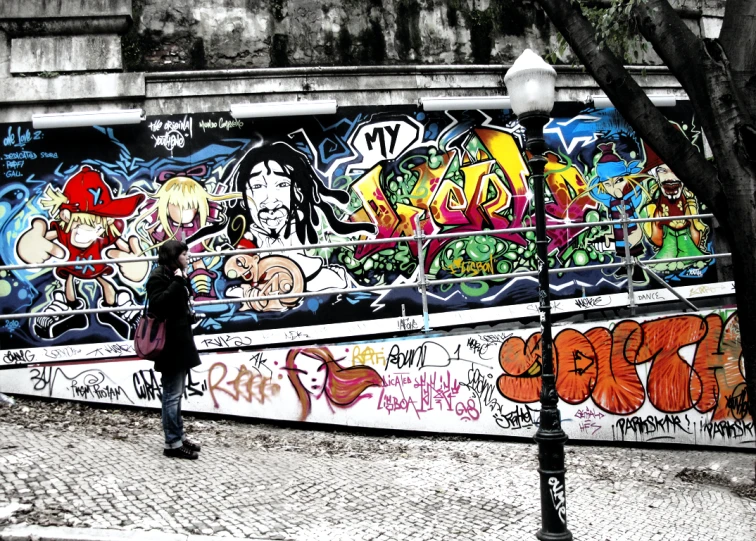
<point>703,70</point>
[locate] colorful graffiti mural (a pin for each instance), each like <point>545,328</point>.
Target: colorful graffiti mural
<point>219,184</point>
<point>675,378</point>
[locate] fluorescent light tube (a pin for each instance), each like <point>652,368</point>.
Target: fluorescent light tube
<point>283,108</point>
<point>465,103</point>
<point>602,102</point>
<point>88,118</point>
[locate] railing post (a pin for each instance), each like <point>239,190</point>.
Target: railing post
<point>422,278</point>
<point>629,261</point>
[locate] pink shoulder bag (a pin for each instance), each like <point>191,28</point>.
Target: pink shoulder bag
<point>150,336</point>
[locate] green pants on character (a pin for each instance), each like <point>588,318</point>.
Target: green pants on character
<point>678,243</point>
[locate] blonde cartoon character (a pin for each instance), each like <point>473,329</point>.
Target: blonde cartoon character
<point>182,209</point>
<point>86,221</point>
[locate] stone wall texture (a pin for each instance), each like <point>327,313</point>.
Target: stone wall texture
<point>220,34</point>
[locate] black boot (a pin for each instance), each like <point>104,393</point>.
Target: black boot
<point>122,322</point>
<point>49,327</point>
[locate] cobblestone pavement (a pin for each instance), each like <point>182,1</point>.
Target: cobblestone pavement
<point>75,465</point>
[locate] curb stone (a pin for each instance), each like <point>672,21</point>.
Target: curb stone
<point>24,532</point>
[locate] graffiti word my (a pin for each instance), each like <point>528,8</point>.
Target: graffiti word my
<point>249,385</point>
<point>556,488</point>
<point>18,357</point>
<point>380,135</point>
<point>651,424</point>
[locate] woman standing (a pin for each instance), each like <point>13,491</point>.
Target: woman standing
<point>169,299</point>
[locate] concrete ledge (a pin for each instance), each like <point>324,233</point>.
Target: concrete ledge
<point>71,88</point>
<point>36,9</point>
<point>23,532</point>
<point>66,54</point>
<point>64,17</point>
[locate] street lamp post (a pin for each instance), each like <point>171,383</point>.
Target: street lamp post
<point>530,84</point>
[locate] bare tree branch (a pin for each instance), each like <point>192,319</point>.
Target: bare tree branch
<point>630,100</point>
<point>738,39</point>
<point>704,71</point>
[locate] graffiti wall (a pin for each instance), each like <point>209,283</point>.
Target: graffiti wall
<point>79,195</point>
<point>674,379</point>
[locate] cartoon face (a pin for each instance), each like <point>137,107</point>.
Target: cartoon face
<point>615,186</point>
<point>668,182</point>
<point>242,266</point>
<point>312,374</point>
<point>83,235</point>
<point>268,193</point>
<point>179,217</point>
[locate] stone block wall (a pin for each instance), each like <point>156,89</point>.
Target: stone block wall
<point>223,34</point>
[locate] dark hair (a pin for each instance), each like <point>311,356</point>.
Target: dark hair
<point>307,192</point>
<point>169,252</point>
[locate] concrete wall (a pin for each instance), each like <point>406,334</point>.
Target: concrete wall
<point>208,34</point>
<point>363,52</point>
<point>676,379</point>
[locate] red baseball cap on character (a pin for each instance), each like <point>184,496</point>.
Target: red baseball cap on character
<point>87,192</point>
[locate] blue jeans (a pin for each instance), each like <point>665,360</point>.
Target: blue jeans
<point>173,391</point>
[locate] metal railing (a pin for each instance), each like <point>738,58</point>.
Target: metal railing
<point>422,282</point>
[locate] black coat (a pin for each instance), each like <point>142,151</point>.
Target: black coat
<point>168,298</point>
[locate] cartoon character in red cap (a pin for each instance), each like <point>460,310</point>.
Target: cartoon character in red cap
<point>86,221</point>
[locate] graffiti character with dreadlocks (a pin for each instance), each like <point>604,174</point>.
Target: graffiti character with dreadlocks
<point>281,206</point>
